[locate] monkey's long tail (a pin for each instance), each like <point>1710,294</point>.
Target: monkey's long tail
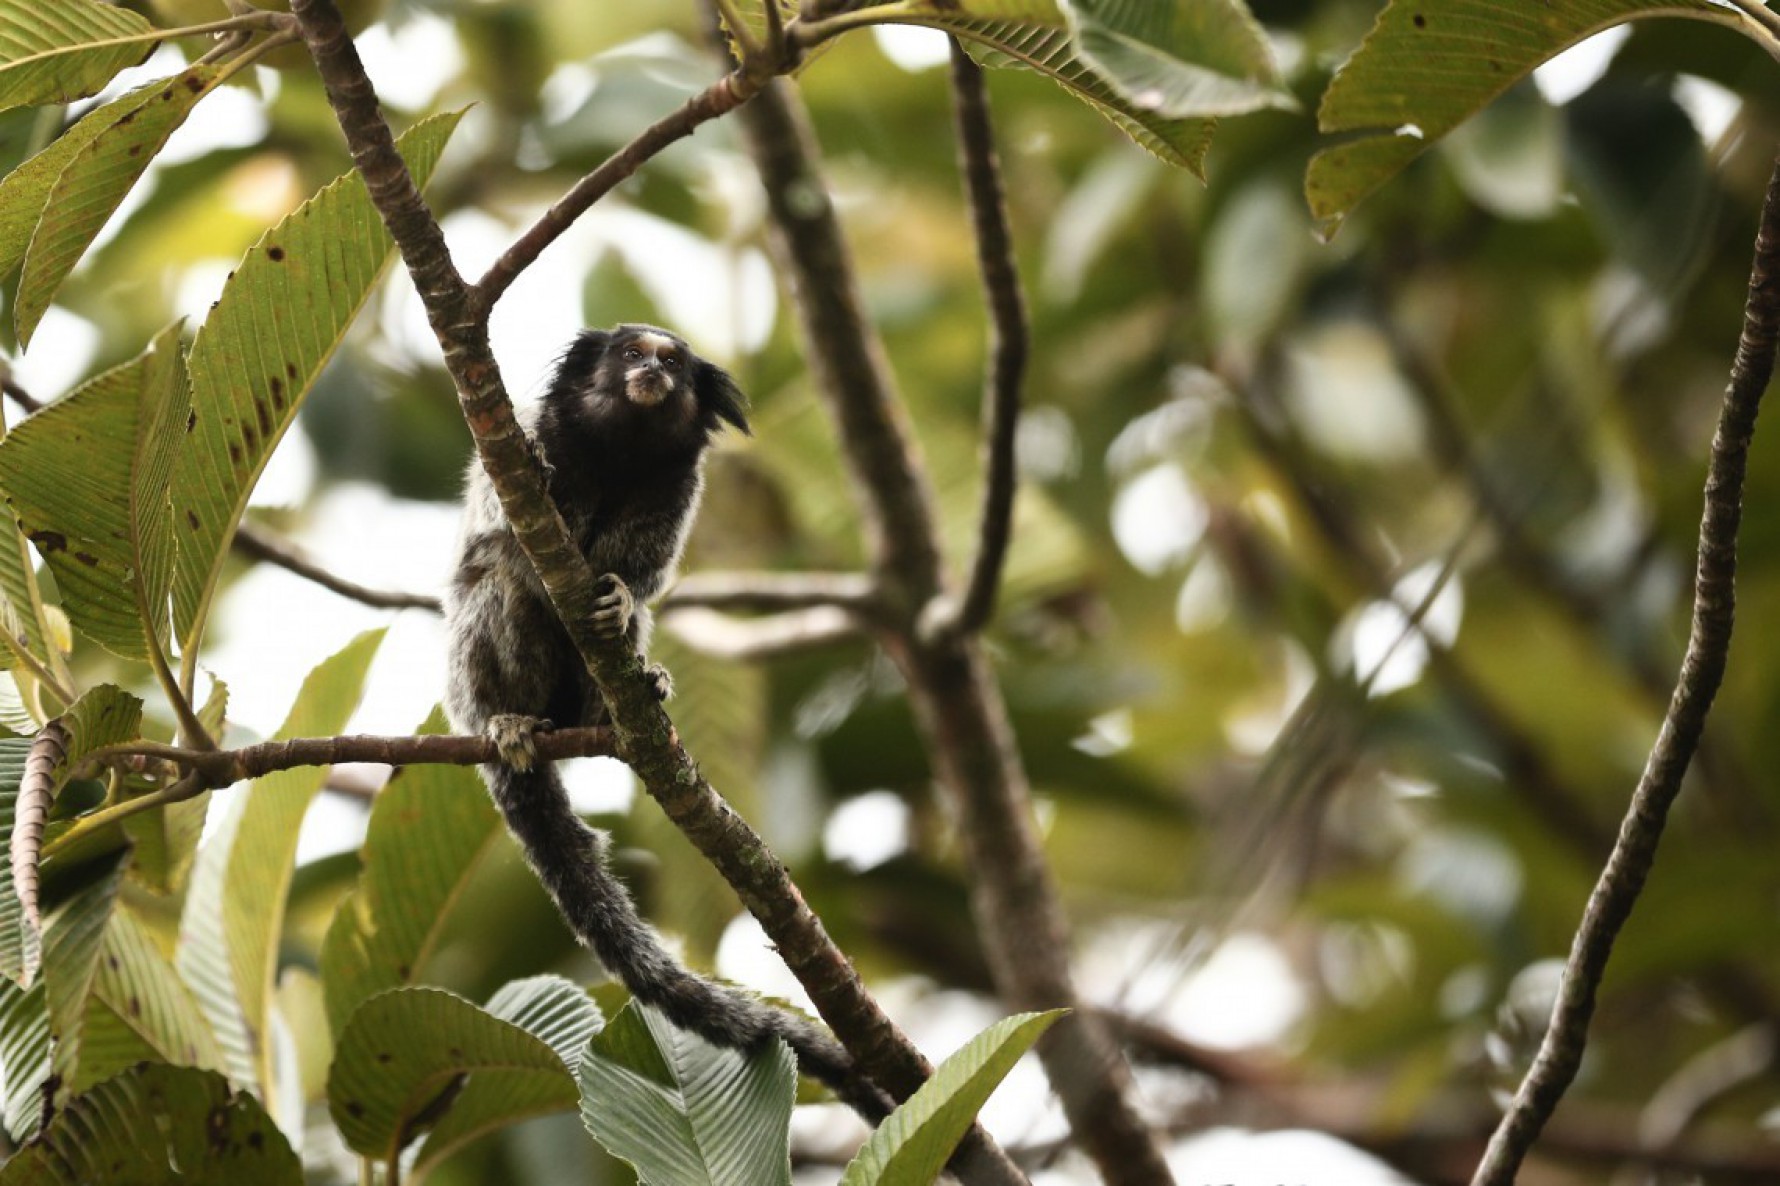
<point>570,859</point>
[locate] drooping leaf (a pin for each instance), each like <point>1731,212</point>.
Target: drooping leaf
<point>685,1112</point>
<point>24,1057</point>
<point>278,321</point>
<point>23,634</point>
<point>1428,65</point>
<point>228,942</point>
<point>94,183</point>
<point>55,53</point>
<point>88,477</point>
<point>429,830</point>
<point>1180,58</point>
<point>403,1058</point>
<point>159,1126</point>
<point>113,999</point>
<point>549,1008</point>
<point>13,940</point>
<point>913,1144</point>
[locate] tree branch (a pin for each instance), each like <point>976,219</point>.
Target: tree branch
<point>644,737</point>
<point>724,637</point>
<point>1702,669</point>
<point>1008,351</point>
<point>774,591</point>
<point>257,544</point>
<point>954,693</point>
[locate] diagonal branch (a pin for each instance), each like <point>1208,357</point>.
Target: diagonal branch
<point>1008,351</point>
<point>1702,669</point>
<point>256,544</point>
<point>644,737</point>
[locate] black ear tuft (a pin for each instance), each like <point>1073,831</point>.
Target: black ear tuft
<point>580,360</point>
<point>718,393</point>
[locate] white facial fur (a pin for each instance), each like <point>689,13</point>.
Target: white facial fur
<point>642,385</point>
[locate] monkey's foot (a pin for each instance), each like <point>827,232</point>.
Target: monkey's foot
<point>613,608</point>
<point>660,680</point>
<point>512,734</point>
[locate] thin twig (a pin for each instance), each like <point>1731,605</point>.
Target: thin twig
<point>773,591</point>
<point>1008,351</point>
<point>720,98</point>
<point>252,542</point>
<point>1702,669</point>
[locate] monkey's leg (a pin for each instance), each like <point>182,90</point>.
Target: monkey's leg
<point>512,734</point>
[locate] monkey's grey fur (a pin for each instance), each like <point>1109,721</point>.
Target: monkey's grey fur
<point>623,430</point>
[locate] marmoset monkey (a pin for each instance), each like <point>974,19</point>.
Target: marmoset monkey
<point>623,430</point>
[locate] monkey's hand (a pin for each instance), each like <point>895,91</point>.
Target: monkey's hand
<point>512,733</point>
<point>613,608</point>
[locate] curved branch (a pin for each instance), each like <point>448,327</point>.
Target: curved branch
<point>31,811</point>
<point>252,542</point>
<point>1702,669</point>
<point>1008,351</point>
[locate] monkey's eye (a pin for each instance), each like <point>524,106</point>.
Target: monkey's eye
<point>671,363</point>
<point>632,354</point>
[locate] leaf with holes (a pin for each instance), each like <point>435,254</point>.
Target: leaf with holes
<point>94,183</point>
<point>89,477</point>
<point>279,319</point>
<point>685,1112</point>
<point>112,997</point>
<point>55,53</point>
<point>1428,65</point>
<point>159,1126</point>
<point>429,830</point>
<point>551,1009</point>
<point>407,1054</point>
<point>234,911</point>
<point>912,1145</point>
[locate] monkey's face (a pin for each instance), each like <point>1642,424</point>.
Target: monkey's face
<point>652,366</point>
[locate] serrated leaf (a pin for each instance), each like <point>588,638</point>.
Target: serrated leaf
<point>429,830</point>
<point>94,183</point>
<point>89,478</point>
<point>551,1009</point>
<point>159,1126</point>
<point>1427,66</point>
<point>1036,35</point>
<point>24,1057</point>
<point>915,1141</point>
<point>279,319</point>
<point>228,941</point>
<point>113,999</point>
<point>1181,58</point>
<point>55,53</point>
<point>405,1054</point>
<point>685,1112</point>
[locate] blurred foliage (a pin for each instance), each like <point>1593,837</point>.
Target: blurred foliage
<point>1240,443</point>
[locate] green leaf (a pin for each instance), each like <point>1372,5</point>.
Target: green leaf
<point>66,50</point>
<point>685,1112</point>
<point>159,1126</point>
<point>914,1143</point>
<point>22,628</point>
<point>113,999</point>
<point>228,942</point>
<point>24,1057</point>
<point>88,477</point>
<point>13,939</point>
<point>279,319</point>
<point>104,715</point>
<point>1036,35</point>
<point>403,1058</point>
<point>1428,65</point>
<point>429,830</point>
<point>25,191</point>
<point>1181,58</point>
<point>551,1009</point>
<point>94,182</point>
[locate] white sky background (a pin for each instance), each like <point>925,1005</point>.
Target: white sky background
<point>272,627</point>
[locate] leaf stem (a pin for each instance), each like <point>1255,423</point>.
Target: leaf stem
<point>188,787</point>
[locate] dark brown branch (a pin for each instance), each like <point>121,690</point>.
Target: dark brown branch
<point>644,737</point>
<point>1702,669</point>
<point>954,693</point>
<point>1007,354</point>
<point>31,812</point>
<point>256,544</point>
<point>720,98</point>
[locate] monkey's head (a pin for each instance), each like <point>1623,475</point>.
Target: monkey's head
<point>649,379</point>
